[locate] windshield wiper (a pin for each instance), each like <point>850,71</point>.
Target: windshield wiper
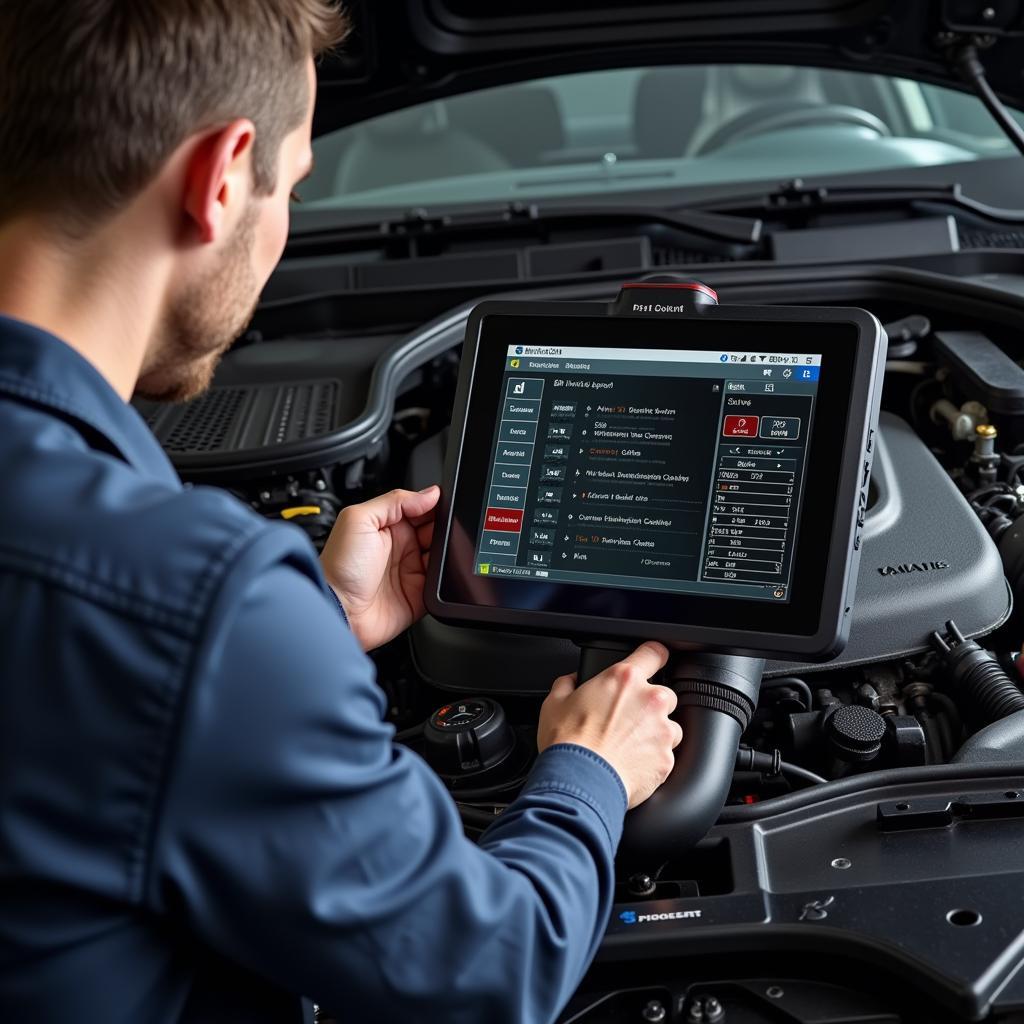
<point>794,196</point>
<point>718,227</point>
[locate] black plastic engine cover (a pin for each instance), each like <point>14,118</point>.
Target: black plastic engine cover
<point>926,559</point>
<point>914,874</point>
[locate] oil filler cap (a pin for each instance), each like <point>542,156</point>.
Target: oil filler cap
<point>855,733</point>
<point>467,736</point>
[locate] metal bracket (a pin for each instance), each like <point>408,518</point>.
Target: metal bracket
<point>940,812</point>
<point>982,17</point>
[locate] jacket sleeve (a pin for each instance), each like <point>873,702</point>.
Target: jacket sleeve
<point>294,838</point>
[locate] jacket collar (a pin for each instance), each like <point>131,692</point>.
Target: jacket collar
<point>39,369</point>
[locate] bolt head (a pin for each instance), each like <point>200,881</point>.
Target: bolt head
<point>641,884</point>
<point>654,1012</point>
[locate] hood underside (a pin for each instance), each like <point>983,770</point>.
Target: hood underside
<point>410,51</point>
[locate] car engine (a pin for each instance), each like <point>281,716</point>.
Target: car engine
<point>867,864</point>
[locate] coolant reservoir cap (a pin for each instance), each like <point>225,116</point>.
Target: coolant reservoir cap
<point>855,733</point>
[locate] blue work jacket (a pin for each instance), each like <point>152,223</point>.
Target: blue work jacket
<point>202,814</point>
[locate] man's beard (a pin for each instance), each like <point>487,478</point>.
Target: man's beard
<point>202,324</point>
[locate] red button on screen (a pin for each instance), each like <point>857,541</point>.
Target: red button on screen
<point>740,426</point>
<point>510,519</point>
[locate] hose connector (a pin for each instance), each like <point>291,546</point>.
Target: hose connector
<point>979,680</point>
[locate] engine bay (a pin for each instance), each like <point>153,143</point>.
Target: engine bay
<point>876,812</point>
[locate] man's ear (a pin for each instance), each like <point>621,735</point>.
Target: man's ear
<point>218,179</point>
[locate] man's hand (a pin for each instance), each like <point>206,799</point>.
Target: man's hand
<point>375,561</point>
<point>620,716</point>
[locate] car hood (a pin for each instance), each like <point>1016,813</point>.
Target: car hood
<point>403,52</point>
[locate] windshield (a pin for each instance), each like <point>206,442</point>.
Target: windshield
<point>599,133</point>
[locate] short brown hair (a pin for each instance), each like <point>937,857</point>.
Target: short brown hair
<point>95,95</point>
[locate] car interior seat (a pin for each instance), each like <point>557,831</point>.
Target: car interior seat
<point>667,110</point>
<point>418,144</point>
<point>522,124</point>
<point>733,90</point>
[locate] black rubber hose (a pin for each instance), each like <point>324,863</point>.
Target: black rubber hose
<point>978,678</point>
<point>936,746</point>
<point>717,695</point>
<point>792,683</point>
<point>973,72</point>
<point>951,716</point>
<point>995,692</point>
<point>794,771</point>
<point>771,766</point>
<point>689,802</point>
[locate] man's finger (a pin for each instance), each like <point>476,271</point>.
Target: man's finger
<point>649,658</point>
<point>677,734</point>
<point>671,699</point>
<point>425,535</point>
<point>563,687</point>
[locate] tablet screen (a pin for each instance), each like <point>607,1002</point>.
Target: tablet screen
<point>656,469</point>
<point>696,477</point>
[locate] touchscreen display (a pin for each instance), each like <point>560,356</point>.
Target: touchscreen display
<point>649,469</point>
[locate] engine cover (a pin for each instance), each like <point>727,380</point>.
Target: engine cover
<point>927,558</point>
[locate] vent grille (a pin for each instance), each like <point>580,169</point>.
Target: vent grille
<point>669,255</point>
<point>204,424</point>
<point>991,239</point>
<point>306,411</point>
<point>231,419</point>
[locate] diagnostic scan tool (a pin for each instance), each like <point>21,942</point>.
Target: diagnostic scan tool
<point>691,473</point>
<point>661,468</point>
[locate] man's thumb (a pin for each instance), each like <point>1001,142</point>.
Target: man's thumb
<point>418,503</point>
<point>392,507</point>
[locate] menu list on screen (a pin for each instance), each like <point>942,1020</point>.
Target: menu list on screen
<point>649,469</point>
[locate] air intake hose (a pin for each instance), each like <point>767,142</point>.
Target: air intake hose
<point>717,696</point>
<point>979,681</point>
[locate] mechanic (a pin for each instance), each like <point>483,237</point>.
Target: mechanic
<point>202,814</point>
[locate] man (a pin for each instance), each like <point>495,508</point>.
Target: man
<point>202,815</point>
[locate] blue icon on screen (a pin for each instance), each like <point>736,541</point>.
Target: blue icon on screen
<point>723,359</point>
<point>628,917</point>
<point>809,373</point>
<point>519,350</point>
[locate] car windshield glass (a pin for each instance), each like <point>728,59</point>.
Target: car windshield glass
<point>599,133</point>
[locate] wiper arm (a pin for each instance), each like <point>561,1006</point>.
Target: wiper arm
<point>795,196</point>
<point>707,224</point>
